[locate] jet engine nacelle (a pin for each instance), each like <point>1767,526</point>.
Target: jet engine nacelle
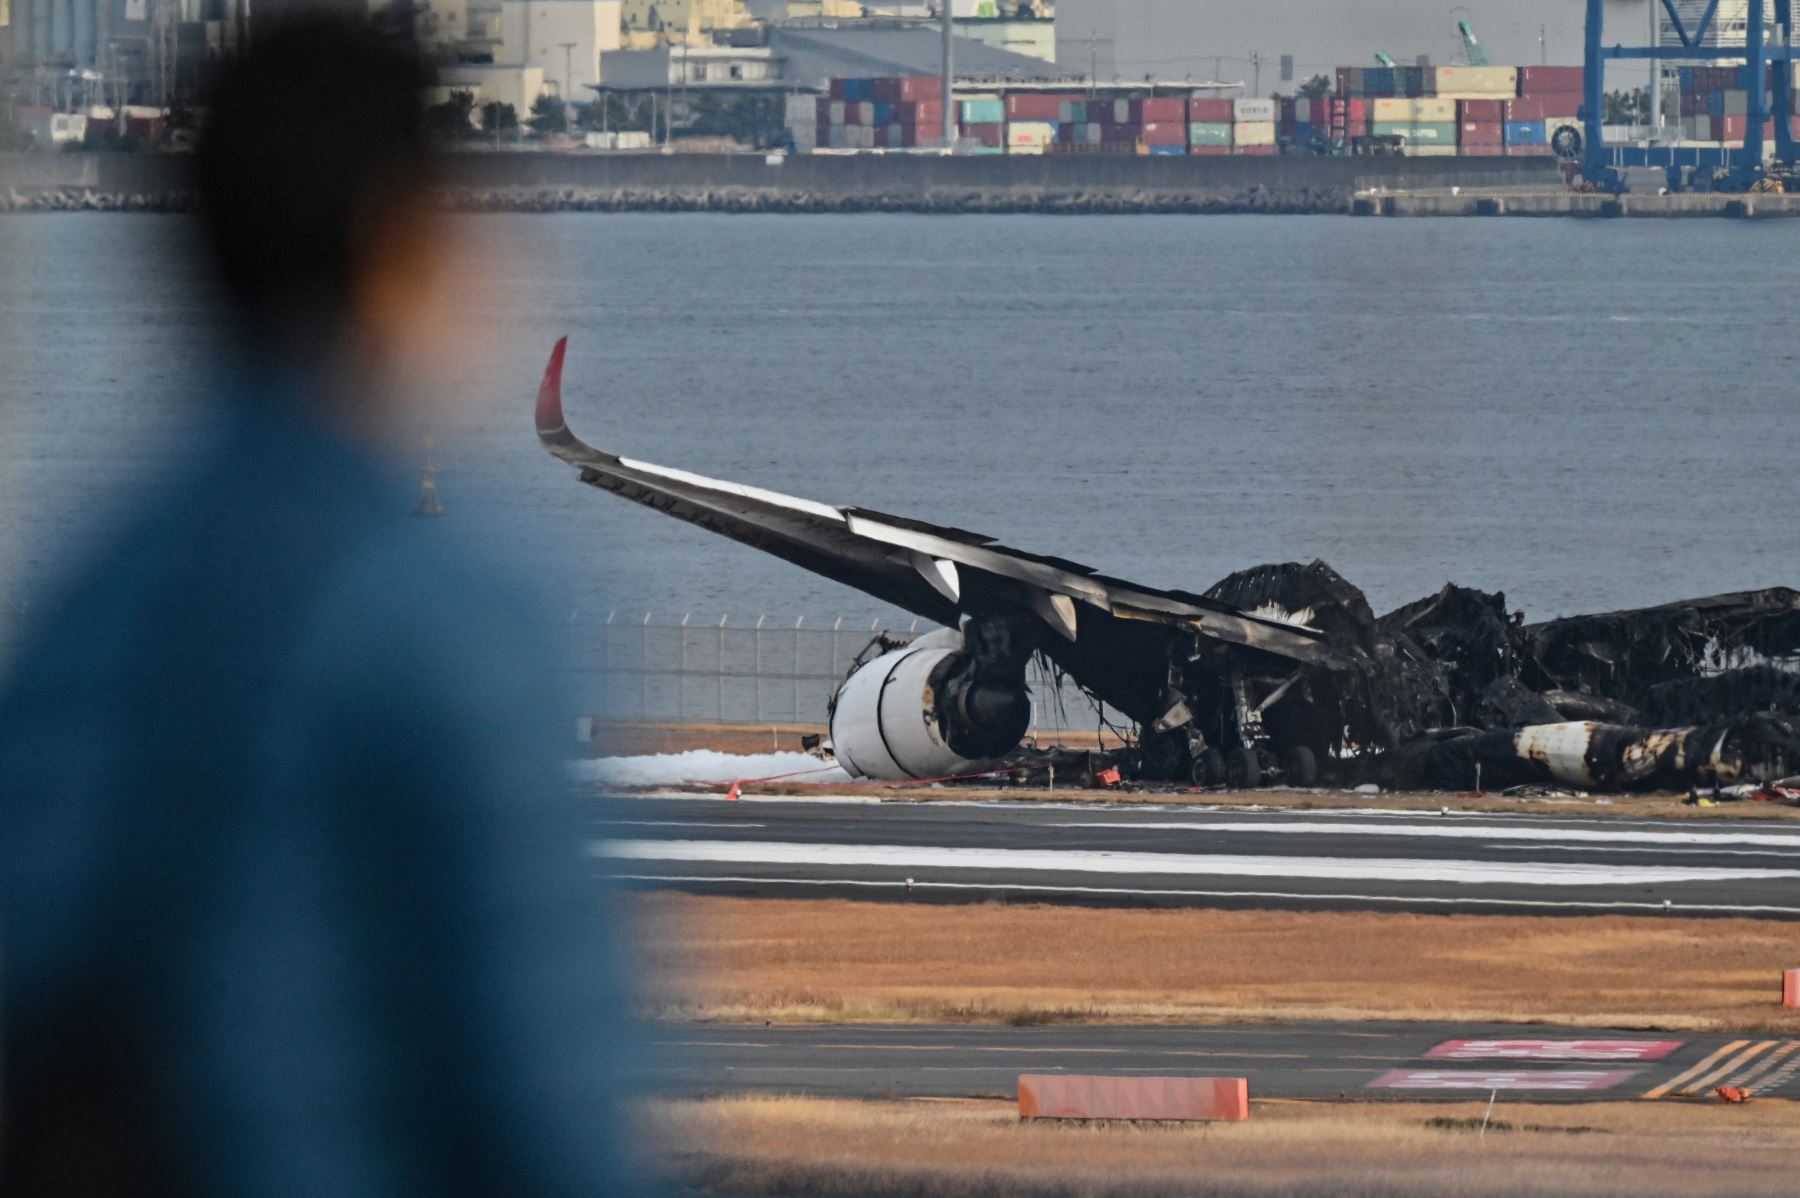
<point>926,711</point>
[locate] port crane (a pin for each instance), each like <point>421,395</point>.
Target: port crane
<point>1710,168</point>
<point>1471,48</point>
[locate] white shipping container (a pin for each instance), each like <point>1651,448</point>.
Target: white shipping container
<point>1413,151</point>
<point>837,137</point>
<point>837,112</point>
<point>1253,133</point>
<point>865,112</point>
<point>1430,111</point>
<point>1246,111</point>
<point>1121,112</point>
<point>1028,134</point>
<point>1092,133</point>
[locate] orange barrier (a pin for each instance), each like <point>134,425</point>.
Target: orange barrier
<point>1061,1096</point>
<point>1790,988</point>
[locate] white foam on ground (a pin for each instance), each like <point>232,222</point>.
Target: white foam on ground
<point>1671,836</point>
<point>700,765</point>
<point>898,857</point>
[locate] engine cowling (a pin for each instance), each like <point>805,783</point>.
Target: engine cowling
<point>932,709</point>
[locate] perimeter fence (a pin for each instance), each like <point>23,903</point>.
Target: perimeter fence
<point>709,670</point>
<point>696,669</point>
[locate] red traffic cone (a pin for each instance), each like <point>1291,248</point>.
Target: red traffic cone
<point>732,794</point>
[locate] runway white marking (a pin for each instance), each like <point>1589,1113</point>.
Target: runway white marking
<point>1596,848</point>
<point>1473,1079</point>
<point>678,823</point>
<point>1464,832</point>
<point>1014,888</point>
<point>900,857</point>
<point>1554,1050</point>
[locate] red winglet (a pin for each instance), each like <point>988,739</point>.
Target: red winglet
<point>549,403</point>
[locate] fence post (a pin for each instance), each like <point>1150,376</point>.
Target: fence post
<point>681,670</point>
<point>644,669</point>
<point>719,710</point>
<point>758,680</point>
<point>795,671</point>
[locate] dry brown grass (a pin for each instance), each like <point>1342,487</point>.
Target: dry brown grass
<point>840,961</point>
<point>807,1148</point>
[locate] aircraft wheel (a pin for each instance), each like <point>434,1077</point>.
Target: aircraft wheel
<point>1242,769</point>
<point>1209,768</point>
<point>1300,766</point>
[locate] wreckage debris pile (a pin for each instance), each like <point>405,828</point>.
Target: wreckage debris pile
<point>1455,689</point>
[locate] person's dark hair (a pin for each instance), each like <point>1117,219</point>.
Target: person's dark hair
<point>307,138</point>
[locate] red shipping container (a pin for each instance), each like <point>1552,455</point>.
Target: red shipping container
<point>914,88</point>
<point>1483,112</point>
<point>920,112</point>
<point>1542,108</point>
<point>1165,133</point>
<point>1256,151</point>
<point>987,134</point>
<point>1359,109</point>
<point>1475,133</point>
<point>1035,106</point>
<point>1164,108</point>
<point>1528,151</point>
<point>837,89</point>
<point>1734,128</point>
<point>1533,80</point>
<point>1210,112</point>
<point>1209,151</point>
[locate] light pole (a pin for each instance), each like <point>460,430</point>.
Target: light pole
<point>568,81</point>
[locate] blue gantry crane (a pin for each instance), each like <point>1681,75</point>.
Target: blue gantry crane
<point>1729,168</point>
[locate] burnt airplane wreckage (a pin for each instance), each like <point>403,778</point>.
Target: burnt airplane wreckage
<point>1278,673</point>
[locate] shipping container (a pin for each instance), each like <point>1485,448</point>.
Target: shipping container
<point>1255,151</point>
<point>1163,108</point>
<point>1418,132</point>
<point>1114,112</point>
<point>1209,133</point>
<point>1168,150</point>
<point>1029,136</point>
<point>1165,133</point>
<point>1428,151</point>
<point>1035,106</point>
<point>1533,80</point>
<point>1485,112</point>
<point>983,112</point>
<point>1474,83</point>
<point>1209,151</point>
<point>1542,108</point>
<point>990,133</point>
<point>920,112</point>
<point>1538,151</point>
<point>1253,133</point>
<point>1210,112</point>
<point>1479,133</point>
<point>1072,112</point>
<point>1248,111</point>
<point>1524,133</point>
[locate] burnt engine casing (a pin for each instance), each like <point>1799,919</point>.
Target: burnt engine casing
<point>942,706</point>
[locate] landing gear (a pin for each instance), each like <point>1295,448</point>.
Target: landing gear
<point>1243,769</point>
<point>1209,767</point>
<point>1299,767</point>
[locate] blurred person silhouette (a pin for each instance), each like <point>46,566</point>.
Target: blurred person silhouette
<point>291,889</point>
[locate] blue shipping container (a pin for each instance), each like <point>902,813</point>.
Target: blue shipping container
<point>883,112</point>
<point>1525,133</point>
<point>859,89</point>
<point>1715,103</point>
<point>1379,80</point>
<point>1687,78</point>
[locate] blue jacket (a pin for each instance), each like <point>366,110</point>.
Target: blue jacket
<point>292,895</point>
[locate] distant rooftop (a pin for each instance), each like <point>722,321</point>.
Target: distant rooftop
<point>817,52</point>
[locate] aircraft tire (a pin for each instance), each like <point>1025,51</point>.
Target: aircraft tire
<point>1299,766</point>
<point>1243,770</point>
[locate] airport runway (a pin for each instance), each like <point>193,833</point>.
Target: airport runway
<point>1396,1061</point>
<point>1188,856</point>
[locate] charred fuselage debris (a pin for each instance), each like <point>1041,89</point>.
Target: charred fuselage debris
<point>1456,691</point>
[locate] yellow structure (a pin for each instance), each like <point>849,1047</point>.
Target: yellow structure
<point>649,23</point>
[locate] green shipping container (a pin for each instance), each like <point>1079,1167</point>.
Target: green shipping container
<point>1209,135</point>
<point>1418,134</point>
<point>983,112</point>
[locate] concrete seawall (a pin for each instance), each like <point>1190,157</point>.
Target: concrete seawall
<point>579,182</point>
<point>530,181</point>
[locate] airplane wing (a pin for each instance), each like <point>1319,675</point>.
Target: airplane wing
<point>1103,626</point>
